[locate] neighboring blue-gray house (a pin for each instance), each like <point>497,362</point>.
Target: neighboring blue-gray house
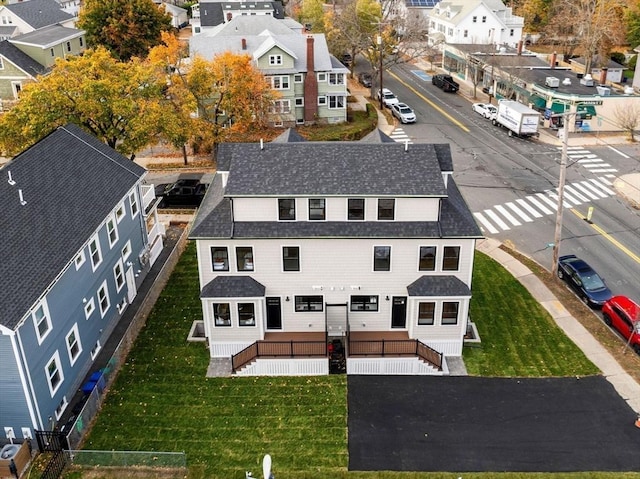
<point>78,234</point>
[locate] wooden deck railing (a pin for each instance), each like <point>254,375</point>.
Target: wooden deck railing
<point>278,349</point>
<point>396,347</point>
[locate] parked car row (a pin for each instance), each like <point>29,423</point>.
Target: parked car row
<point>487,110</point>
<point>401,111</point>
<point>618,312</point>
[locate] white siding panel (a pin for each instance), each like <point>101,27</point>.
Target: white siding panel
<point>417,209</point>
<point>286,367</point>
<point>255,209</point>
<point>227,349</point>
<point>381,366</point>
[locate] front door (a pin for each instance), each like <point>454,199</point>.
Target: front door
<point>132,290</point>
<point>274,313</point>
<point>399,312</point>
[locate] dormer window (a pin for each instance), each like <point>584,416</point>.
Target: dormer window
<point>287,209</point>
<point>317,209</point>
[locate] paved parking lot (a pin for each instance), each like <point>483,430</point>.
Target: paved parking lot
<point>465,424</point>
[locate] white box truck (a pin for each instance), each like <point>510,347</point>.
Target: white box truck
<point>519,119</point>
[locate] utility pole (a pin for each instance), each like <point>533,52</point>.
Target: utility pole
<point>380,51</point>
<point>557,238</point>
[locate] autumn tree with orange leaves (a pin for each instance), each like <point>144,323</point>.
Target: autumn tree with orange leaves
<point>215,98</point>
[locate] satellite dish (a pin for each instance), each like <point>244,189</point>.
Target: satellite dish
<point>266,467</point>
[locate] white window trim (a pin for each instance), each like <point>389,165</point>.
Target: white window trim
<point>54,358</point>
<point>96,349</point>
<point>121,212</point>
<point>95,240</point>
<point>126,250</point>
<point>281,77</point>
<point>47,318</point>
<point>275,60</point>
<point>76,333</point>
<point>61,407</point>
<point>283,106</point>
<point>80,260</point>
<point>105,288</point>
<point>337,76</point>
<point>344,102</point>
<point>298,78</point>
<point>112,220</point>
<point>89,308</point>
<point>299,101</point>
<point>120,265</point>
<point>133,200</point>
<point>322,101</point>
<point>322,77</point>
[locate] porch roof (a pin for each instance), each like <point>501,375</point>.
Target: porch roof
<point>233,287</point>
<point>438,286</point>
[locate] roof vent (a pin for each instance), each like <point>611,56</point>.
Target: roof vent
<point>261,144</point>
<point>406,145</point>
<point>11,180</point>
<point>22,201</point>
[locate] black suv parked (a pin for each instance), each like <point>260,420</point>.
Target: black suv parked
<point>445,82</point>
<point>184,192</point>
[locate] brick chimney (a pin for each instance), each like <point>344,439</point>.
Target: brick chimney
<point>520,47</point>
<point>554,57</point>
<point>603,75</point>
<point>244,43</point>
<point>310,85</point>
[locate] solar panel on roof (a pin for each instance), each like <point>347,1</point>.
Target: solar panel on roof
<point>422,3</point>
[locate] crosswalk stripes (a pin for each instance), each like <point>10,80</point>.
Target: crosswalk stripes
<point>528,209</point>
<point>400,136</point>
<point>590,161</point>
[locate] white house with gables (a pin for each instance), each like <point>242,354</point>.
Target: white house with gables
<point>475,22</point>
<point>311,82</point>
<point>367,246</point>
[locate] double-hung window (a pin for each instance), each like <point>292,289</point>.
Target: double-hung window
<point>427,258</point>
<point>246,314</point>
<point>275,60</point>
<point>118,275</point>
<point>317,209</point>
<point>222,314</point>
<point>336,101</point>
<point>220,258</point>
<point>450,312</point>
<point>382,258</point>
<point>336,78</point>
<point>426,313</point>
<point>112,231</point>
<point>386,209</point>
<point>74,348</point>
<point>355,209</point>
<point>451,258</point>
<point>41,321</point>
<point>280,106</point>
<point>244,258</point>
<point>291,258</point>
<point>280,82</point>
<point>103,299</point>
<point>54,373</point>
<point>95,253</point>
<point>287,209</point>
<point>133,201</point>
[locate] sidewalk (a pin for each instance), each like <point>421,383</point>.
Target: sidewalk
<point>625,385</point>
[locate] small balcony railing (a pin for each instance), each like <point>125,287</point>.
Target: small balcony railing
<point>396,347</point>
<point>148,195</point>
<point>278,349</point>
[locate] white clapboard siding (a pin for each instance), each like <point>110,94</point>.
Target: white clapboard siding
<point>286,367</point>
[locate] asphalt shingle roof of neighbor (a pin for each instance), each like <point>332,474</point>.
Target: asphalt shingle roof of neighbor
<point>47,35</point>
<point>225,286</point>
<point>256,31</point>
<point>20,59</point>
<point>40,13</point>
<point>290,135</point>
<point>330,169</point>
<point>70,181</point>
<point>438,286</point>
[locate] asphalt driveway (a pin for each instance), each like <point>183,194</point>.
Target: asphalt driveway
<point>470,424</point>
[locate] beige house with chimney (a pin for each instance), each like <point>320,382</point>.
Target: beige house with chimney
<point>312,83</point>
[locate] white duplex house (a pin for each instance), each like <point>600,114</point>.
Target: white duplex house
<point>367,246</point>
<point>476,22</point>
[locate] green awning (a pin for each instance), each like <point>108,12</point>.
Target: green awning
<point>559,107</point>
<point>587,111</point>
<point>454,56</point>
<point>538,102</point>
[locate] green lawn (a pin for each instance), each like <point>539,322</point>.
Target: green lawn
<point>161,400</point>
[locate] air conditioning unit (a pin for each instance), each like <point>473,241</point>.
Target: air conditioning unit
<point>144,257</point>
<point>587,80</point>
<point>552,82</point>
<point>603,90</point>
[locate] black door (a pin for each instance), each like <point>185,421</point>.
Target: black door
<point>399,312</point>
<point>274,313</point>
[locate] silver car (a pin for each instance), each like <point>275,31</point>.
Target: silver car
<point>403,112</point>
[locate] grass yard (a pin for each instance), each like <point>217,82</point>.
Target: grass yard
<point>161,400</point>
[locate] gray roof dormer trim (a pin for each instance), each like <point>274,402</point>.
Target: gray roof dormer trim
<point>226,286</point>
<point>433,286</point>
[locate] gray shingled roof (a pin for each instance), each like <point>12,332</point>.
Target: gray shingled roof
<point>40,13</point>
<point>47,36</point>
<point>20,59</point>
<point>256,30</point>
<point>289,135</point>
<point>70,182</point>
<point>225,286</point>
<point>377,136</point>
<point>438,286</point>
<point>333,168</point>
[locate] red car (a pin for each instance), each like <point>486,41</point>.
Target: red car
<point>624,315</point>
